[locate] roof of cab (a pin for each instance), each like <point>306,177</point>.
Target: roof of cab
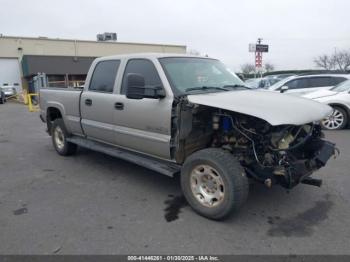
<point>148,55</point>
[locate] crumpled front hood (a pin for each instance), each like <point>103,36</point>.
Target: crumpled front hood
<point>275,108</point>
<point>319,94</point>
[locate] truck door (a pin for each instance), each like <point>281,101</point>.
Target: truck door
<point>97,102</point>
<point>143,125</point>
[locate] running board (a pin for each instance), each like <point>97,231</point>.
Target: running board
<point>158,165</point>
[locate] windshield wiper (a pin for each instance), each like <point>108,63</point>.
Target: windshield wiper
<point>205,88</point>
<point>236,86</point>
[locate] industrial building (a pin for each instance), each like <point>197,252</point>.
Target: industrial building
<point>65,62</point>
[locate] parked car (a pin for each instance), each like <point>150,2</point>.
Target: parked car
<point>339,99</point>
<point>253,82</point>
<point>192,116</point>
<point>273,79</point>
<point>301,85</point>
<point>8,90</point>
<point>266,81</point>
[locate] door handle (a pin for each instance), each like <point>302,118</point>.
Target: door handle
<point>88,102</point>
<point>119,106</point>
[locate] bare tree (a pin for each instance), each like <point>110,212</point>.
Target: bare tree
<point>248,68</point>
<point>347,61</point>
<point>269,67</point>
<point>325,61</point>
<point>342,60</point>
<point>338,60</point>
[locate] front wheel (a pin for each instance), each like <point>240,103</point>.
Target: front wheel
<point>59,139</point>
<point>214,183</point>
<point>337,120</point>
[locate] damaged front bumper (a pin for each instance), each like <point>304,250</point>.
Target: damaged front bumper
<point>290,173</point>
<point>300,170</point>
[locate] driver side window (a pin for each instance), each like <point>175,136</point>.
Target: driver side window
<point>297,83</point>
<point>145,68</point>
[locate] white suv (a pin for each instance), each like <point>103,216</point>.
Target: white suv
<point>301,85</point>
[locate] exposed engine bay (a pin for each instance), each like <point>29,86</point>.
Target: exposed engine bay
<point>285,154</point>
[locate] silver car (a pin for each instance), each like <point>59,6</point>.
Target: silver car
<point>8,90</point>
<point>339,99</point>
<point>189,115</point>
<point>266,81</point>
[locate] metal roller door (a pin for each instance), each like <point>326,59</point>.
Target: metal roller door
<point>10,73</point>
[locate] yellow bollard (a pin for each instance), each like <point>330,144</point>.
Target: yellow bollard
<point>31,107</point>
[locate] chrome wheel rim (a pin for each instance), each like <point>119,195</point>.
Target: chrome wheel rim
<point>334,121</point>
<point>59,138</point>
<point>207,186</point>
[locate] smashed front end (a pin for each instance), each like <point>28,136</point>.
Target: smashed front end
<point>286,155</point>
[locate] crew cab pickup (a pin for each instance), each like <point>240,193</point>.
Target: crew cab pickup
<point>187,115</point>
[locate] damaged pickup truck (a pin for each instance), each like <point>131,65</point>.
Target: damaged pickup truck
<point>178,114</point>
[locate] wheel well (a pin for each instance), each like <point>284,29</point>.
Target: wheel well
<point>347,111</point>
<point>52,114</point>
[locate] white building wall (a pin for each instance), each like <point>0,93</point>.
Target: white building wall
<point>19,46</point>
<point>16,47</point>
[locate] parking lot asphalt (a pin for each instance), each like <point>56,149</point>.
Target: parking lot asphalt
<point>91,203</point>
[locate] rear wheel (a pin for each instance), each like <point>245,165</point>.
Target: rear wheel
<point>59,139</point>
<point>214,183</point>
<point>2,98</point>
<point>337,120</point>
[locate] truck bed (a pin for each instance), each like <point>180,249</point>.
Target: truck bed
<point>67,100</point>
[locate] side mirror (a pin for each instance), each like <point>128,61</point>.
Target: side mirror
<point>136,88</point>
<point>284,89</point>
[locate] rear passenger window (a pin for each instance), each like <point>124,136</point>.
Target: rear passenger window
<point>337,80</point>
<point>104,75</point>
<point>145,68</point>
<point>320,81</point>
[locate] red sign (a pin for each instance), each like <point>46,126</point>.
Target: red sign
<point>258,59</point>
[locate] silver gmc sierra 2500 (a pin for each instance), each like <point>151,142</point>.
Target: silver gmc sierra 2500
<point>192,116</point>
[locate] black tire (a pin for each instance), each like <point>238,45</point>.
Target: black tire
<point>2,98</point>
<point>326,125</point>
<point>59,136</point>
<point>233,177</point>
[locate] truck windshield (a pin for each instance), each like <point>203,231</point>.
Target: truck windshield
<point>188,75</point>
